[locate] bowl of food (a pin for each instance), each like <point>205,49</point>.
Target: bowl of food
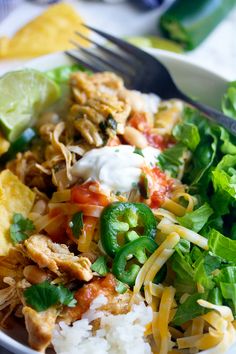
<point>117,214</point>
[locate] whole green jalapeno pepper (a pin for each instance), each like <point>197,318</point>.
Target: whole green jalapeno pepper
<point>124,222</point>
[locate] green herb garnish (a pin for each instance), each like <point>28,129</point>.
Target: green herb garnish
<point>138,151</point>
<point>100,266</point>
<point>20,228</point>
<point>44,295</point>
<point>76,224</point>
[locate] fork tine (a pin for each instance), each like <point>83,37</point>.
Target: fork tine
<point>106,50</point>
<point>131,49</point>
<point>82,62</point>
<point>112,65</point>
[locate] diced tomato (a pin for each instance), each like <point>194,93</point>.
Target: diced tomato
<point>158,185</point>
<point>156,140</point>
<point>82,194</point>
<point>88,293</point>
<point>56,230</point>
<point>138,120</point>
<point>162,186</point>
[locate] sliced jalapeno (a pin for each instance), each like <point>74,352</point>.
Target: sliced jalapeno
<point>137,250</point>
<point>124,222</point>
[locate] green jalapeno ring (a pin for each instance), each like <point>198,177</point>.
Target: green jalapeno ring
<point>120,218</point>
<point>141,244</point>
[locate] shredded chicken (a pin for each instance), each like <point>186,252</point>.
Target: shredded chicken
<point>96,99</point>
<point>40,326</point>
<point>11,296</point>
<point>57,258</point>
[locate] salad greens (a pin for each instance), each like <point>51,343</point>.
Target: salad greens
<point>100,266</point>
<point>188,134</point>
<point>210,172</point>
<point>171,159</point>
<point>229,100</point>
<point>197,218</point>
<point>61,74</point>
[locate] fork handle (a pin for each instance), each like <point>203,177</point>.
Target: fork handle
<point>212,114</point>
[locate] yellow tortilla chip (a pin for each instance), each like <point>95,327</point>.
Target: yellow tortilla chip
<point>47,33</point>
<point>15,197</point>
<point>4,145</point>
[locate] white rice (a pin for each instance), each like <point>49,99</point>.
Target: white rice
<point>118,334</point>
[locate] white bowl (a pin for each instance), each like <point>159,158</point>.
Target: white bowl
<point>194,80</point>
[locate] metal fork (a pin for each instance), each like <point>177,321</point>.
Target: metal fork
<point>140,71</point>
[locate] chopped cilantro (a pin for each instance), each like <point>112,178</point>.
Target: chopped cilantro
<point>44,295</point>
<point>100,266</point>
<point>20,228</point>
<point>138,151</point>
<point>77,224</point>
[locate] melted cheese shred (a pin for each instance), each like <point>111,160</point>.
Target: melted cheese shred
<point>201,341</point>
<point>169,243</point>
<point>221,332</point>
<point>189,235</point>
<point>154,269</point>
<point>174,207</point>
<point>163,318</point>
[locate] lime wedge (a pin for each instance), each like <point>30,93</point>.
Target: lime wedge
<point>23,95</point>
<point>155,42</point>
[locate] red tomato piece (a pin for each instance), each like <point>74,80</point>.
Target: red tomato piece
<point>82,194</point>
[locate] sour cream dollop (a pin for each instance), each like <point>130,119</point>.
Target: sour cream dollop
<point>116,168</point>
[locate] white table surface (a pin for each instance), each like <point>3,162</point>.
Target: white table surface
<point>218,52</point>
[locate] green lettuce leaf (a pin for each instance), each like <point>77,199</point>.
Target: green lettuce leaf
<point>228,103</point>
<point>204,268</point>
<point>182,266</point>
<point>215,296</point>
<point>222,246</point>
<point>196,219</point>
<point>227,282</point>
<point>171,159</point>
<point>188,134</point>
<point>203,159</point>
<point>189,309</point>
<point>224,183</point>
<point>62,74</point>
<point>227,147</point>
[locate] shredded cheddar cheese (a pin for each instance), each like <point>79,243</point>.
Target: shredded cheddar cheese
<point>170,242</point>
